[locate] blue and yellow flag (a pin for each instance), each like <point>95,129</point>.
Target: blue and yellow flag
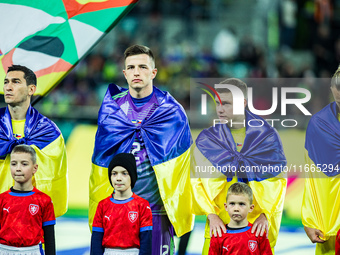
<point>167,139</point>
<point>262,150</point>
<point>321,199</point>
<point>323,140</point>
<point>259,163</point>
<point>51,37</point>
<point>46,139</point>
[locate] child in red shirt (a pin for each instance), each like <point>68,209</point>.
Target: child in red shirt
<point>238,239</point>
<point>123,221</point>
<point>26,214</point>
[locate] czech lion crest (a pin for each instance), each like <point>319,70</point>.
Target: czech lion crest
<point>252,245</point>
<point>133,216</point>
<point>33,209</point>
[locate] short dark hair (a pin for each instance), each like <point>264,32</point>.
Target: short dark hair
<point>138,49</point>
<point>29,75</point>
<point>236,82</point>
<point>23,148</point>
<point>240,188</point>
<point>336,79</point>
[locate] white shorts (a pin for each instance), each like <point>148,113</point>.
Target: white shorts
<point>132,251</point>
<point>11,250</point>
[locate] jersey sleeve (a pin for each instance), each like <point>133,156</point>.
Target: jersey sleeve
<point>98,219</point>
<point>48,213</point>
<point>215,246</point>
<point>264,245</point>
<point>337,243</point>
<point>146,217</point>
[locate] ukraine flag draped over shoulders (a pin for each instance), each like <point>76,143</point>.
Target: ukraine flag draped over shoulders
<point>321,200</point>
<point>259,164</point>
<point>46,139</point>
<point>167,140</point>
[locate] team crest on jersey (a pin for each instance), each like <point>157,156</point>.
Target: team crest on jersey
<point>133,216</point>
<point>33,209</point>
<point>252,245</point>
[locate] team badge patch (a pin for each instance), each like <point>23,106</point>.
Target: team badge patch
<point>133,216</point>
<point>252,245</point>
<point>33,209</point>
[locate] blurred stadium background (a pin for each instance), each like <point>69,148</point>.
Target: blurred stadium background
<point>199,38</point>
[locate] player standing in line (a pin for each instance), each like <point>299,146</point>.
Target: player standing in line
<point>26,214</point>
<point>239,146</point>
<point>123,221</point>
<point>239,239</point>
<point>150,124</point>
<point>321,201</point>
<point>22,124</point>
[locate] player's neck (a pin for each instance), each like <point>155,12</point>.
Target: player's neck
<point>238,224</point>
<point>122,195</point>
<point>18,112</point>
<point>141,93</point>
<point>27,186</point>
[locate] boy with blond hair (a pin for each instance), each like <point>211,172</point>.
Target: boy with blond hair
<point>26,214</point>
<point>238,239</point>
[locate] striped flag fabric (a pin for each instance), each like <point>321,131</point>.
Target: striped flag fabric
<point>51,37</point>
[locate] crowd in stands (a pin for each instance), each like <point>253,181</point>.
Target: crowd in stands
<point>312,32</point>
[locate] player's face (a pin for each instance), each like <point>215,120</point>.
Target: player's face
<point>120,179</point>
<point>16,91</point>
<point>139,73</point>
<point>225,110</point>
<point>336,95</point>
<point>238,207</point>
<point>22,167</point>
